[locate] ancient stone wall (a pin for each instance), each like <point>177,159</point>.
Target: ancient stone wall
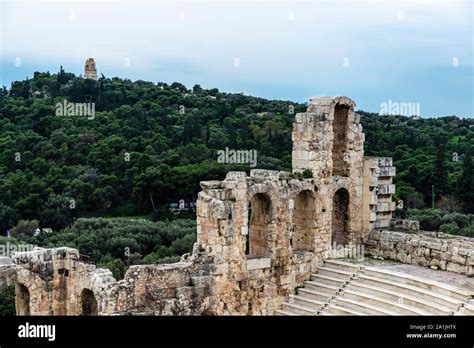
<point>7,272</point>
<point>377,204</point>
<point>61,282</point>
<point>328,141</point>
<point>55,279</point>
<point>436,250</point>
<point>260,237</point>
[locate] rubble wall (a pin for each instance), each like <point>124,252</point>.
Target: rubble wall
<point>435,250</point>
<point>7,272</point>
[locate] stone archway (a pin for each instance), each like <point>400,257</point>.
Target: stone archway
<point>22,300</point>
<point>89,303</point>
<point>339,146</point>
<point>259,222</point>
<point>340,217</point>
<point>305,226</point>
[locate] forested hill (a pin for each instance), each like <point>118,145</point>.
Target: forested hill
<point>150,144</point>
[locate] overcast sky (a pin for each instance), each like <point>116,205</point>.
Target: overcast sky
<point>372,51</point>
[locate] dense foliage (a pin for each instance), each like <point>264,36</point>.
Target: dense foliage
<point>7,300</point>
<point>426,152</point>
<point>150,144</point>
<point>439,220</point>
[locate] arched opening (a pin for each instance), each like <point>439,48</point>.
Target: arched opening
<point>89,303</point>
<point>22,300</point>
<point>340,217</point>
<point>340,166</point>
<point>259,221</point>
<point>305,226</point>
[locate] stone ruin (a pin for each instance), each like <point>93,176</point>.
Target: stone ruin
<point>258,237</point>
<point>90,70</point>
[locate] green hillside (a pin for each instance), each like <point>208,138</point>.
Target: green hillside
<point>149,144</point>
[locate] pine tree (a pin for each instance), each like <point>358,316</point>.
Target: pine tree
<point>466,184</point>
<point>440,171</point>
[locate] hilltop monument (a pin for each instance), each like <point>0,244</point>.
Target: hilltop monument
<point>90,70</point>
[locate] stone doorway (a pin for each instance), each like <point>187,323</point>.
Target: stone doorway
<point>259,222</point>
<point>22,300</point>
<point>340,217</point>
<point>305,225</point>
<point>89,303</point>
<point>340,166</point>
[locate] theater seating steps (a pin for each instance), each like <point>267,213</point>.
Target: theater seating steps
<point>342,288</point>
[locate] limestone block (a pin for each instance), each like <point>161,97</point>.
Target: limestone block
<point>470,259</point>
<point>235,175</point>
<point>461,260</point>
<point>212,184</point>
<point>287,279</point>
<point>258,263</point>
<point>387,171</point>
<point>454,267</point>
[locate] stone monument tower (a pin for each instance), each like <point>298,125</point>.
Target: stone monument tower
<point>90,71</point>
<point>328,140</point>
<point>355,191</point>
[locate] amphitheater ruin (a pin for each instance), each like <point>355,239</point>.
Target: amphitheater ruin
<point>271,242</point>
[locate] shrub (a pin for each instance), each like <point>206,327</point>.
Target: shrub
<point>451,228</point>
<point>25,228</point>
<point>7,301</point>
<point>439,220</point>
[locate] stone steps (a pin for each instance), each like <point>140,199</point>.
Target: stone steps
<point>308,302</point>
<point>320,287</point>
<point>467,309</point>
<point>345,266</point>
<point>315,294</point>
<point>341,288</point>
<point>298,309</point>
<point>365,308</point>
<point>335,273</point>
<point>424,283</point>
<point>332,281</point>
<point>282,312</point>
<point>333,309</point>
<point>389,287</point>
<point>383,303</point>
<point>404,298</point>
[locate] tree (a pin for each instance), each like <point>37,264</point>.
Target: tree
<point>169,153</point>
<point>466,184</point>
<point>8,218</point>
<point>440,172</point>
<point>25,228</point>
<point>58,212</point>
<point>7,301</point>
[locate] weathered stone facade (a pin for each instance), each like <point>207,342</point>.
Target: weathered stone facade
<point>258,236</point>
<point>7,272</point>
<point>90,70</point>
